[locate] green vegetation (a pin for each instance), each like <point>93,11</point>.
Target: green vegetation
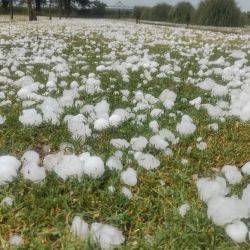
<point>209,12</point>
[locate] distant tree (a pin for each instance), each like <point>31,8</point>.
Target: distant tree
<point>31,11</point>
<point>98,8</point>
<point>160,12</point>
<point>5,4</point>
<point>219,13</point>
<point>146,13</point>
<point>11,10</point>
<point>182,13</point>
<point>137,13</point>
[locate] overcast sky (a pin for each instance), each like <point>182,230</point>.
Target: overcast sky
<point>244,4</point>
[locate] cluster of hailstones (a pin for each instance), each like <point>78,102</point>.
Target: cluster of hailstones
<point>223,208</point>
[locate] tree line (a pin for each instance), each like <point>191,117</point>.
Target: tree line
<point>209,12</point>
<point>60,8</point>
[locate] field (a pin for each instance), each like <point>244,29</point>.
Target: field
<point>170,104</point>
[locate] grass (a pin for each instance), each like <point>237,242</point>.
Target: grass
<point>42,213</point>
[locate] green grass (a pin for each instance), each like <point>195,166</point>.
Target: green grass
<point>42,213</point>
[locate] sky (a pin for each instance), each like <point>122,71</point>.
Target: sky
<point>243,4</point>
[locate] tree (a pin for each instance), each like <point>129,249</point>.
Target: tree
<point>160,12</point>
<point>31,12</point>
<point>5,4</point>
<point>182,13</point>
<point>11,10</point>
<point>219,13</point>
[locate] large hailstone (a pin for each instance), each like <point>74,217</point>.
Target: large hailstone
<point>237,231</point>
<point>30,117</point>
<point>232,174</point>
<point>79,228</point>
<point>224,210</point>
<point>246,168</point>
<point>107,236</point>
<point>114,163</point>
<point>158,142</point>
<point>138,143</point>
<point>147,161</point>
<point>94,167</point>
<point>9,166</point>
<point>67,166</point>
<point>186,126</point>
<point>208,188</point>
<point>30,157</point>
<point>129,177</point>
<point>32,172</point>
<point>101,124</point>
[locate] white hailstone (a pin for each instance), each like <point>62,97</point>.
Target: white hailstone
<point>101,124</point>
<point>127,193</point>
<point>168,152</point>
<point>119,143</point>
<point>201,145</point>
<point>199,139</point>
<point>102,109</point>
<point>129,177</point>
<point>2,119</point>
<point>168,104</point>
<point>158,142</point>
<point>246,169</point>
<point>16,240</point>
<point>115,120</point>
<point>208,188</point>
<point>113,163</point>
<point>51,160</point>
<point>79,228</point>
<point>154,126</point>
<point>237,231</point>
<point>111,189</point>
<point>94,167</point>
<point>232,174</point>
<point>84,156</point>
<point>196,101</point>
<point>118,154</point>
<point>100,68</point>
<point>9,166</point>
<point>147,161</point>
<point>51,85</point>
<point>77,126</point>
<point>7,201</point>
<point>108,237</point>
<point>167,95</point>
<point>224,210</point>
<point>186,126</point>
<point>30,157</point>
<point>74,85</point>
<point>183,209</point>
<point>32,172</point>
<point>67,166</point>
<point>138,143</point>
<point>30,117</point>
<point>246,197</point>
<point>184,161</point>
<point>51,110</point>
<point>156,113</point>
<point>167,135</point>
<point>213,126</point>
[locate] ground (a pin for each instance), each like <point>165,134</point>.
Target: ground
<point>122,56</point>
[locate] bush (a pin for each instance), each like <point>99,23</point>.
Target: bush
<point>182,13</point>
<point>219,13</point>
<point>160,12</point>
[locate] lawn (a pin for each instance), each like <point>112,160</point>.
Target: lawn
<point>99,68</point>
